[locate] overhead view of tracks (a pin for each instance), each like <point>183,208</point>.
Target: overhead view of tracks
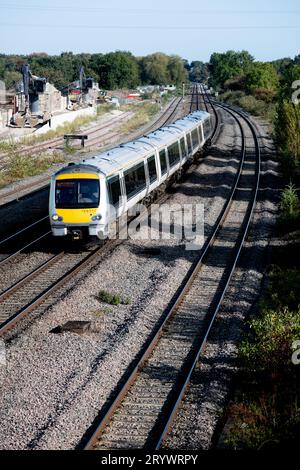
<point>31,271</point>
<point>143,411</point>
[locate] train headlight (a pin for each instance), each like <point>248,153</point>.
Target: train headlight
<point>57,218</point>
<point>96,217</point>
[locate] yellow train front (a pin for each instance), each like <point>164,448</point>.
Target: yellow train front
<point>76,207</point>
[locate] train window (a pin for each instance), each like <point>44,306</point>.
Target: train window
<point>182,145</point>
<point>200,133</point>
<point>163,161</point>
<point>77,193</point>
<point>114,189</point>
<point>135,179</point>
<point>189,142</point>
<point>195,138</point>
<point>152,169</point>
<point>173,154</point>
<point>206,127</point>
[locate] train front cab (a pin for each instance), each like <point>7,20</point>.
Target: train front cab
<point>76,204</point>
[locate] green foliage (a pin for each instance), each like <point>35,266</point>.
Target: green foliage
<point>68,149</point>
<point>11,78</point>
<point>287,122</point>
<point>228,65</point>
<point>283,289</point>
<point>289,204</point>
<point>22,166</point>
<point>198,71</point>
<point>269,348</point>
<point>250,103</point>
<point>119,69</point>
<point>287,128</point>
<point>266,411</point>
<point>291,74</point>
<point>261,75</point>
<point>176,70</point>
<point>281,65</point>
<point>112,299</point>
<point>159,69</point>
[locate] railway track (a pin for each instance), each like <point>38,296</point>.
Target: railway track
<point>194,105</point>
<point>94,133</point>
<point>142,413</point>
<point>58,142</point>
<point>28,289</point>
<point>42,183</point>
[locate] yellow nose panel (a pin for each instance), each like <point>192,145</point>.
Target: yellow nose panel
<point>76,216</point>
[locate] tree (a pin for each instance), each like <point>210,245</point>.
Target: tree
<point>11,78</point>
<point>118,70</point>
<point>154,69</point>
<point>262,75</point>
<point>228,65</point>
<point>176,70</point>
<point>198,71</point>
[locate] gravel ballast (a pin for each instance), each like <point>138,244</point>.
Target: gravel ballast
<point>54,385</point>
<point>201,418</point>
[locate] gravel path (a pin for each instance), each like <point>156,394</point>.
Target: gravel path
<point>54,385</point>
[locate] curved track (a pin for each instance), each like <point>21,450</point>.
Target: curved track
<point>142,413</point>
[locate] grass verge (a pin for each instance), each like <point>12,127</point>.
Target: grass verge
<point>143,115</point>
<point>251,104</point>
<point>22,166</point>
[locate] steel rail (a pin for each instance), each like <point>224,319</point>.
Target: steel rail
<point>168,426</point>
<point>159,333</point>
<point>24,229</point>
<point>47,178</point>
<point>13,255</point>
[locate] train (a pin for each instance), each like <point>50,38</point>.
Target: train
<point>86,197</point>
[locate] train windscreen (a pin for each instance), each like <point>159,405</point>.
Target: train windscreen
<point>77,193</point>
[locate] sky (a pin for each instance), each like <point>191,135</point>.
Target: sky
<point>194,29</point>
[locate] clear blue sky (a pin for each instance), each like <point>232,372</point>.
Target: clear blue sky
<point>268,29</point>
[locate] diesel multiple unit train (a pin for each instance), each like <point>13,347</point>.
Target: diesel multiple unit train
<point>83,195</point>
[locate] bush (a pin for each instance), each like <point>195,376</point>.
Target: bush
<point>283,289</point>
<point>289,204</point>
<point>249,103</point>
<point>289,164</point>
<point>287,128</point>
<point>269,347</point>
<point>112,299</point>
<point>265,94</point>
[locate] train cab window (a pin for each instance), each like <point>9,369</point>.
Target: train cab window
<point>77,193</point>
<point>152,169</point>
<point>189,142</point>
<point>135,179</point>
<point>173,154</point>
<point>114,190</point>
<point>195,138</point>
<point>163,161</point>
<point>182,146</point>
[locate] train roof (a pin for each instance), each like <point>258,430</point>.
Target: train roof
<point>127,154</point>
